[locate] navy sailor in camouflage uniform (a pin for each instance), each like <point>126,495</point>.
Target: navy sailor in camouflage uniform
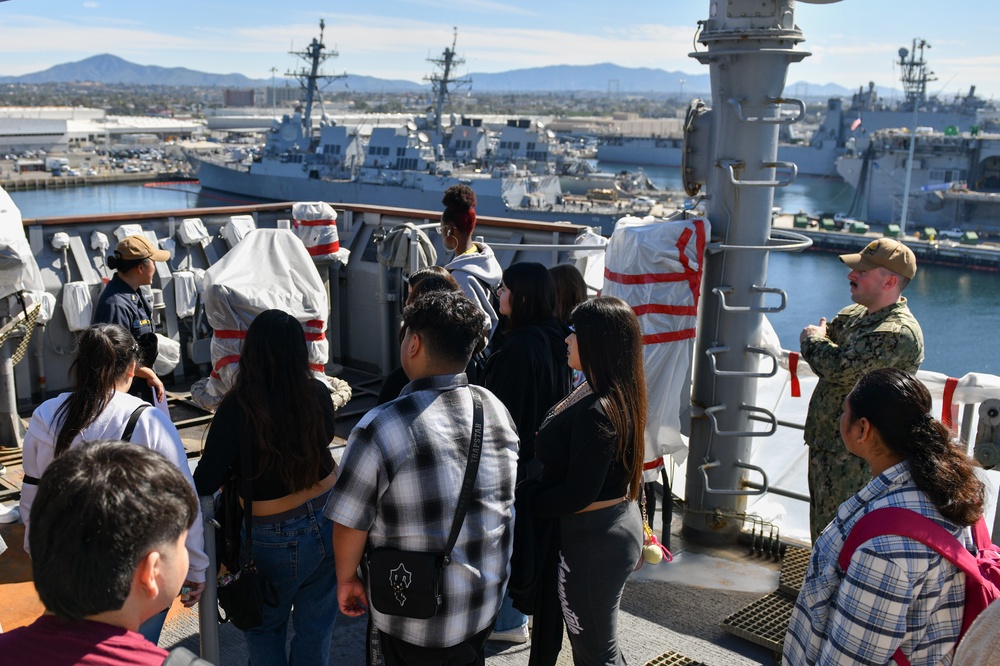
<point>879,331</point>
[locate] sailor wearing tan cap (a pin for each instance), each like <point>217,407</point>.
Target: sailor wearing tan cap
<point>123,303</point>
<point>879,331</point>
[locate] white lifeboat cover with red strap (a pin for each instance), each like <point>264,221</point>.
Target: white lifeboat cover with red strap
<point>268,269</point>
<point>315,222</point>
<point>656,266</point>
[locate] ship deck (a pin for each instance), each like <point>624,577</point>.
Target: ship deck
<point>668,610</point>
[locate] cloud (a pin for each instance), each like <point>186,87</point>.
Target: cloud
<point>91,5</point>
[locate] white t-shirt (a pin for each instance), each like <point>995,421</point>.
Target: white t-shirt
<point>153,430</point>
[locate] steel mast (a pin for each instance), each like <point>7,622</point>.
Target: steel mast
<point>731,148</point>
<point>309,77</point>
<point>440,81</point>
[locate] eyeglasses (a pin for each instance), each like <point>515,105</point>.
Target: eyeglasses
<point>572,329</point>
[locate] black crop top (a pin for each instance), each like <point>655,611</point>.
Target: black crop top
<point>222,450</point>
<point>577,449</point>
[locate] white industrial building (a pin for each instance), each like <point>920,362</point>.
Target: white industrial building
<point>60,128</point>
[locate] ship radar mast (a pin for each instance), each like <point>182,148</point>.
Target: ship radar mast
<point>914,73</point>
<point>314,55</point>
<point>442,79</point>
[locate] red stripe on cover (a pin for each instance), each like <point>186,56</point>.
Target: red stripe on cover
<point>241,335</point>
<point>318,367</point>
<point>318,250</point>
<point>947,405</point>
<point>659,308</point>
<point>652,464</point>
<point>223,362</point>
<point>314,223</point>
<point>793,370</point>
<point>644,278</point>
<point>315,323</point>
<point>672,336</point>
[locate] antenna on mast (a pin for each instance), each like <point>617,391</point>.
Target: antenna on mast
<point>914,73</point>
<point>442,79</point>
<point>309,76</point>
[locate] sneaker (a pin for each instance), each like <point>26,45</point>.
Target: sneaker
<point>517,635</point>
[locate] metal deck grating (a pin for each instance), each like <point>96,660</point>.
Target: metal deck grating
<point>763,622</point>
<point>793,570</point>
<point>673,659</point>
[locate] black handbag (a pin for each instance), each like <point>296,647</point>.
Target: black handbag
<point>229,516</point>
<point>408,583</point>
<point>243,593</point>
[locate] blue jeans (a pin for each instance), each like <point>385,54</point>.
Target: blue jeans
<point>296,555</point>
<point>509,617</point>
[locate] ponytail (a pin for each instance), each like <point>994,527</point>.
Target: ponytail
<point>898,407</point>
<point>104,354</point>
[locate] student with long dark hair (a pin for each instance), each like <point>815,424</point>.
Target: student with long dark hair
<point>896,593</point>
<point>99,408</point>
<point>529,375</point>
<point>591,446</point>
<point>286,419</point>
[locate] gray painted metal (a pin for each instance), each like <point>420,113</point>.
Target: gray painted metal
<point>749,47</point>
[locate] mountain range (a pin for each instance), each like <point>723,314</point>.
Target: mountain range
<point>600,78</point>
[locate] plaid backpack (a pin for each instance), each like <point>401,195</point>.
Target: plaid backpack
<point>982,570</point>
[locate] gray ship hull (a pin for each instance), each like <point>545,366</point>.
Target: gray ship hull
<point>425,195</point>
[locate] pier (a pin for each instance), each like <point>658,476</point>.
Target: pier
<point>984,256</point>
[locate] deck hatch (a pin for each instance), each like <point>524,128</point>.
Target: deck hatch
<point>763,622</point>
<point>793,570</point>
<point>673,659</point>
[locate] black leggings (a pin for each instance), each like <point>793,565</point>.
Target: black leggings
<point>584,579</point>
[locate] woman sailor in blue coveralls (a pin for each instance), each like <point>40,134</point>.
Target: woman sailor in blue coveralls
<point>122,303</point>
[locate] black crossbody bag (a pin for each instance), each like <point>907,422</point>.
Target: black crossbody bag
<point>244,594</point>
<point>408,583</point>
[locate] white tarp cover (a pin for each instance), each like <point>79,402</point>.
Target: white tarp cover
<point>236,229</point>
<point>656,267</point>
<point>185,293</point>
<point>269,269</point>
<point>77,305</point>
<point>315,222</point>
<point>126,230</point>
<point>192,231</point>
<point>18,268</point>
<point>168,355</point>
<point>590,263</point>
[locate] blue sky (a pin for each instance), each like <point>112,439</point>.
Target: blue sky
<point>853,42</point>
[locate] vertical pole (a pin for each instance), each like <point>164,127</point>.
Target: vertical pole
<point>11,428</point>
<point>208,605</point>
<point>909,170</point>
<point>749,46</point>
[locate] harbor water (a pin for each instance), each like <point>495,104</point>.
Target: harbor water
<point>957,308</point>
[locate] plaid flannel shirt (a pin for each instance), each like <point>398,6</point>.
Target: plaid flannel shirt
<point>896,592</point>
<point>399,480</point>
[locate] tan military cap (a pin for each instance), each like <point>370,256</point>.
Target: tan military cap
<point>886,253</point>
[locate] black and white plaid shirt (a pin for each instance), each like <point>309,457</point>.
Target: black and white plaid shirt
<point>399,480</point>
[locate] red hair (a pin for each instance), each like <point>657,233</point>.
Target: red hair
<point>459,208</point>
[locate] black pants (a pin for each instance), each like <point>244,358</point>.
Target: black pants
<point>397,652</point>
<point>583,583</point>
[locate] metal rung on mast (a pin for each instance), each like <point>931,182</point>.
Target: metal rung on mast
<point>771,419</point>
<point>781,240</point>
<point>726,289</point>
<point>760,489</point>
<point>792,167</point>
<point>714,351</point>
<point>776,120</point>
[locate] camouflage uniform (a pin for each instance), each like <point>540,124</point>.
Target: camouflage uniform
<point>856,343</point>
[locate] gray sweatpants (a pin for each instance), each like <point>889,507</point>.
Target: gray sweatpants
<point>597,552</point>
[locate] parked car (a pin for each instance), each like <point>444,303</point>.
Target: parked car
<point>951,234</point>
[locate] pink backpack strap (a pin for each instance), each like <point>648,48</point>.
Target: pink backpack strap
<point>906,523</point>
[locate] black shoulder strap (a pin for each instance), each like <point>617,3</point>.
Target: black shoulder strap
<point>247,494</point>
<point>126,436</point>
<point>471,470</point>
<point>132,420</point>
